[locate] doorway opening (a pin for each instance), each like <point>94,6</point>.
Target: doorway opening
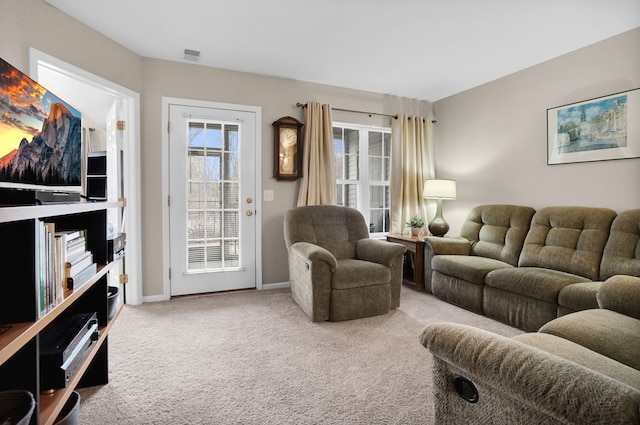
<point>101,101</point>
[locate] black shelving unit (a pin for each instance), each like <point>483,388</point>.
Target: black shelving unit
<point>20,319</point>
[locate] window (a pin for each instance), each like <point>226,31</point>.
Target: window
<point>362,158</point>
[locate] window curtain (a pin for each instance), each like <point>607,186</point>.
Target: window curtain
<point>411,163</point>
<point>318,185</point>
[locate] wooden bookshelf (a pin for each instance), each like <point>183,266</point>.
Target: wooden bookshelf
<point>21,322</point>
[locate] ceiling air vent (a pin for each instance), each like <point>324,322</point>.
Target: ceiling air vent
<point>192,55</point>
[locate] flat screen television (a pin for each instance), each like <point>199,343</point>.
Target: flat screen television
<point>40,137</point>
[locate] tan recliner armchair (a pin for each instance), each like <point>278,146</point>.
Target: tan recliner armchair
<point>336,271</point>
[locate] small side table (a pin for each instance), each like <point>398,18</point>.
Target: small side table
<point>413,270</point>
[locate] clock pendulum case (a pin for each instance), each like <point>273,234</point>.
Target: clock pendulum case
<point>287,142</point>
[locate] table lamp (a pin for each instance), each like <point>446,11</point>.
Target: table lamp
<point>439,189</point>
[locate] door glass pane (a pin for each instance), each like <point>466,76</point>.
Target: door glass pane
<point>213,224</point>
<point>213,196</point>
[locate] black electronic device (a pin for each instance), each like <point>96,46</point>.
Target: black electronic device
<point>36,197</point>
<point>63,348</point>
<point>41,137</point>
<point>115,246</point>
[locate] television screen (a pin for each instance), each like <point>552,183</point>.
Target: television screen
<point>40,136</point>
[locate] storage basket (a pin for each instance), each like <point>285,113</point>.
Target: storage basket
<point>16,407</point>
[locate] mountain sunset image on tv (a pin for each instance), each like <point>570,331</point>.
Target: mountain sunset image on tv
<point>40,136</point>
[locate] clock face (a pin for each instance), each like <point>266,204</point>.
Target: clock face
<point>288,137</point>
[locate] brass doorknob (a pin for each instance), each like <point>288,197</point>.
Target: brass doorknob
<point>249,200</point>
<point>249,213</point>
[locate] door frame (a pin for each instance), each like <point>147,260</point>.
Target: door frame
<point>131,171</point>
<point>166,257</point>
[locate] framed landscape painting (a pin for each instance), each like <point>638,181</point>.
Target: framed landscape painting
<point>599,129</point>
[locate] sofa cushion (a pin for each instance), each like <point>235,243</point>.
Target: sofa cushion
<point>357,273</point>
<point>568,239</point>
<point>469,268</point>
<point>576,353</point>
<point>578,296</point>
<point>533,282</point>
<point>622,252</point>
<point>606,332</point>
<point>621,294</point>
<point>363,301</point>
<point>497,231</point>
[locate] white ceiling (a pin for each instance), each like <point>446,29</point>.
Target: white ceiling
<point>422,49</point>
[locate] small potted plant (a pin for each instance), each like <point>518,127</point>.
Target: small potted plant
<point>416,223</point>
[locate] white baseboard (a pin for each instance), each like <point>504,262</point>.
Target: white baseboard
<point>265,287</point>
<point>154,298</point>
<point>276,285</point>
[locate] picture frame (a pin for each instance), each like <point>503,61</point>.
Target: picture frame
<point>598,129</point>
<point>287,144</point>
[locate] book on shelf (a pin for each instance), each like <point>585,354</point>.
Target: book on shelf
<point>61,254</point>
<point>71,235</point>
<point>40,270</point>
<point>74,267</point>
<point>82,277</point>
<point>76,252</point>
<point>71,243</point>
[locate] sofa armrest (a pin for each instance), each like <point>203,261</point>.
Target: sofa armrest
<point>448,246</point>
<point>621,293</point>
<point>519,384</point>
<point>435,245</point>
<point>311,252</point>
<point>379,251</point>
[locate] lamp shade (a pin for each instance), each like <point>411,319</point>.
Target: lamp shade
<point>439,189</point>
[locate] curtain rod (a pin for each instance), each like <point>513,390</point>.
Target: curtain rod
<point>304,105</point>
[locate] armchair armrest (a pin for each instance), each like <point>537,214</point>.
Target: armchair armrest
<point>621,293</point>
<point>389,254</point>
<point>313,253</point>
<point>519,384</point>
<point>379,251</point>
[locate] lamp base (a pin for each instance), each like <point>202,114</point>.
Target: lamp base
<point>438,227</point>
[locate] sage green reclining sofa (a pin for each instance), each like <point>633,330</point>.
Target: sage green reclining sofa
<point>525,267</point>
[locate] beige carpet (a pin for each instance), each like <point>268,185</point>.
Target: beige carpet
<point>254,358</point>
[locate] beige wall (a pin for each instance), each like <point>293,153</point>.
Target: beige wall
<point>277,97</point>
<point>492,139</point>
<point>34,23</point>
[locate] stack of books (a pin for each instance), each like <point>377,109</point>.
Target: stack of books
<point>78,265</point>
<point>64,262</point>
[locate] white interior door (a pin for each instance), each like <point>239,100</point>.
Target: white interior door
<point>212,216</point>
